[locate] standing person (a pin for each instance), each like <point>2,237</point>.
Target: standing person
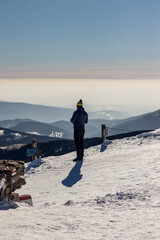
<point>79,119</point>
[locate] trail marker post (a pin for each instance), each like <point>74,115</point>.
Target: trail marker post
<point>104,132</point>
<point>34,146</point>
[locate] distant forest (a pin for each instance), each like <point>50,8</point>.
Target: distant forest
<point>56,148</point>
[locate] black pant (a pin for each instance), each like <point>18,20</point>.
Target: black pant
<point>79,142</point>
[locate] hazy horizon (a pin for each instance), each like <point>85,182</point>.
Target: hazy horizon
<point>96,94</point>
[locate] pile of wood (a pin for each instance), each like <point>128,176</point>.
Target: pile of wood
<point>11,178</point>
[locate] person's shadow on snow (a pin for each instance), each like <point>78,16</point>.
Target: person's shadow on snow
<point>74,176</point>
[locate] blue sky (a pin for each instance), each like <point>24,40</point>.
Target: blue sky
<point>103,39</point>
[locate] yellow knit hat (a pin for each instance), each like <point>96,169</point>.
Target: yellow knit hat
<point>80,103</point>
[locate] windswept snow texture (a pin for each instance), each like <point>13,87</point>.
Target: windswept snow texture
<point>111,195</point>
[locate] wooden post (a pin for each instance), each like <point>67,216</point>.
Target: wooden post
<point>34,145</point>
<point>104,132</point>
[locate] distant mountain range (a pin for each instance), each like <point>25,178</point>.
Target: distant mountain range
<point>40,113</point>
<point>12,123</point>
<point>11,110</point>
<point>108,115</point>
<point>61,129</point>
<point>149,121</point>
<point>34,127</point>
<point>14,131</point>
<point>10,137</point>
<point>23,131</point>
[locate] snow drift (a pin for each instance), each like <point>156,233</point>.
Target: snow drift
<point>110,195</point>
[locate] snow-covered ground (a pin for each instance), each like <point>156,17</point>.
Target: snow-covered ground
<point>113,194</point>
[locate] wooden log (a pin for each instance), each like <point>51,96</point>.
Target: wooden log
<point>14,197</point>
<point>11,172</point>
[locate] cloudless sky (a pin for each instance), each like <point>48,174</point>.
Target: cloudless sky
<point>80,38</point>
<point>82,46</point>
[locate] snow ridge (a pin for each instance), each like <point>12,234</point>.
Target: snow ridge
<point>112,194</point>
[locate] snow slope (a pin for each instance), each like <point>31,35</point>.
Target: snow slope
<point>148,121</point>
<point>111,195</point>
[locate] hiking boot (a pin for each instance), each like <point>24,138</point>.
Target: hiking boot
<point>77,159</point>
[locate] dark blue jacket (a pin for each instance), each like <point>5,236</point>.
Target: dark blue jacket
<point>79,118</point>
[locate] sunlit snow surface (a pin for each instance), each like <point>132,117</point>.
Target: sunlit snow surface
<point>113,194</point>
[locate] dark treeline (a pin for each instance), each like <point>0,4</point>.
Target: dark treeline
<point>53,148</point>
<point>128,134</point>
<point>60,147</point>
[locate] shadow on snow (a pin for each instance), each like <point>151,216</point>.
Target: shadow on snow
<point>74,176</point>
<point>6,205</point>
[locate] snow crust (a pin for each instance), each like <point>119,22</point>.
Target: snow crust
<point>17,136</point>
<point>110,195</point>
<point>56,134</point>
<point>53,134</point>
<point>35,133</point>
<point>105,114</point>
<point>1,132</point>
